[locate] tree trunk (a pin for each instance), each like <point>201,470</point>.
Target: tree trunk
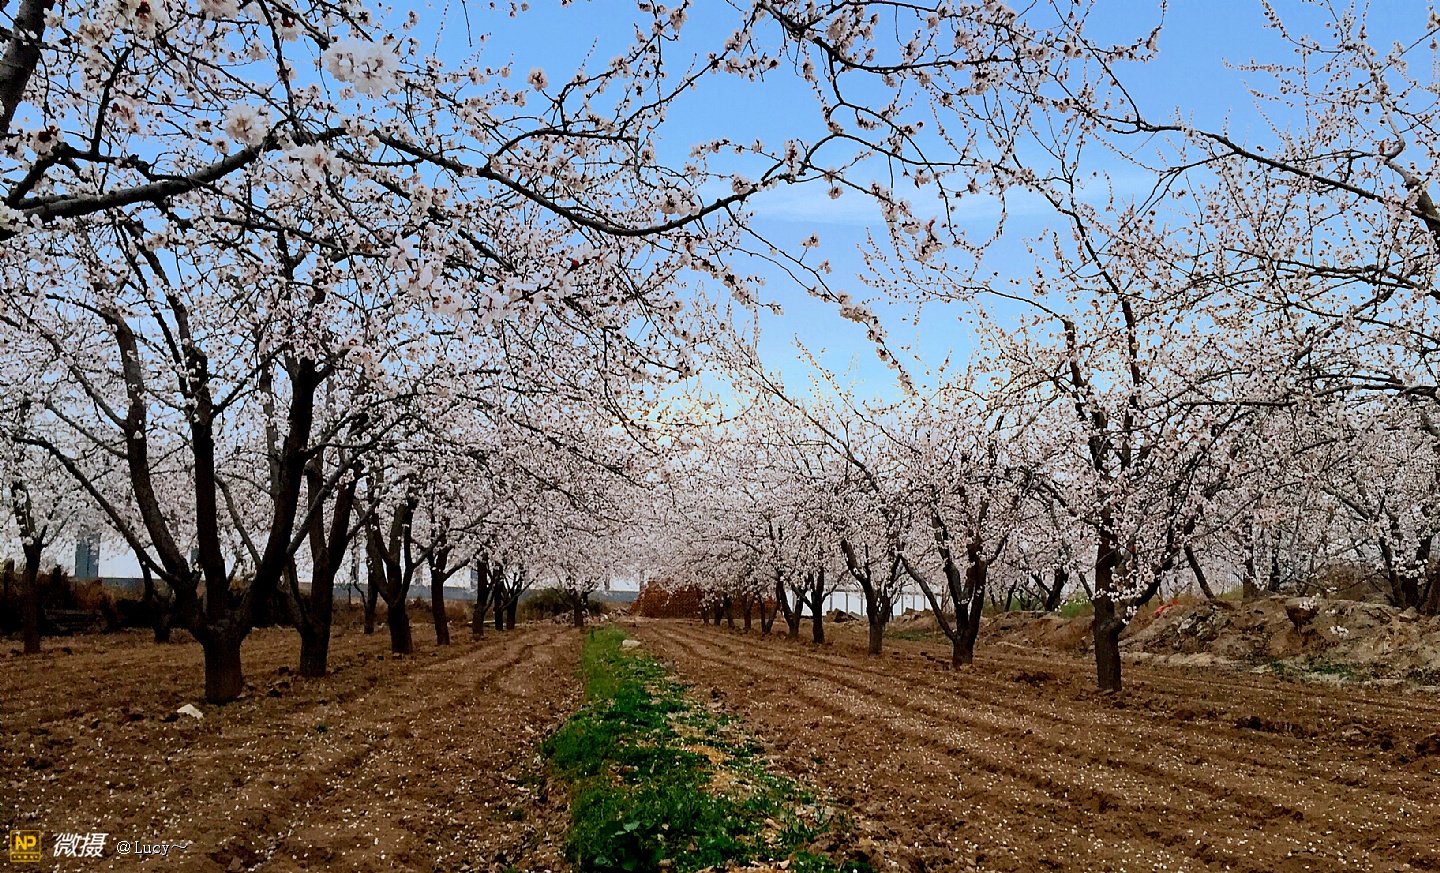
<point>160,605</point>
<point>1248,589</point>
<point>962,650</point>
<point>877,637</point>
<point>1053,597</point>
<point>967,630</point>
<point>967,614</point>
<point>30,604</point>
<point>749,608</point>
<point>1199,572</point>
<point>372,602</point>
<point>499,607</point>
<point>1107,645</point>
<point>482,600</point>
<point>315,623</point>
<point>767,616</point>
<point>397,616</point>
<point>1107,624</point>
<point>437,611</point>
<point>782,605</point>
<point>224,680</point>
<point>316,614</point>
<point>511,609</point>
<point>7,584</point>
<point>817,622</point>
<point>315,647</point>
<point>578,619</point>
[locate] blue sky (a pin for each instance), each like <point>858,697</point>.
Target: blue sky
<point>1190,76</point>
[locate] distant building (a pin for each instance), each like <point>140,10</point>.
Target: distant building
<point>87,555</point>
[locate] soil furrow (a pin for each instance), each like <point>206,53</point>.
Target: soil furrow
<point>422,762</point>
<point>1160,784</point>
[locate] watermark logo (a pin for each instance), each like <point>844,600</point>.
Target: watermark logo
<point>79,845</point>
<point>25,846</point>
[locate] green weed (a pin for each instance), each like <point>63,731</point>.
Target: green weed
<point>915,636</point>
<point>1075,608</point>
<point>1312,668</point>
<point>656,777</point>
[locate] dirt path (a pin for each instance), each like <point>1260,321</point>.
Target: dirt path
<point>1017,765</point>
<point>422,763</point>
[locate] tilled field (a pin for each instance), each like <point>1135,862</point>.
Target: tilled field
<point>1017,764</point>
<point>421,763</point>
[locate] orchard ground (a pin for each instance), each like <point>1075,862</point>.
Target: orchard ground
<point>432,762</point>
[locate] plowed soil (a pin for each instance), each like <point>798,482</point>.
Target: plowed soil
<point>1018,764</point>
<point>421,763</point>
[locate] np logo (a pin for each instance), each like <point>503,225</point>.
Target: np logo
<point>25,846</point>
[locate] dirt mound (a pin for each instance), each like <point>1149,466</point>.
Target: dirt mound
<point>665,601</point>
<point>1380,639</point>
<point>1371,639</point>
<point>1043,629</point>
<point>919,621</point>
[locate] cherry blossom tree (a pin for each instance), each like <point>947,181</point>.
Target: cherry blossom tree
<point>972,483</point>
<point>43,510</point>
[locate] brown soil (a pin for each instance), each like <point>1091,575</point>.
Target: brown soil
<point>1017,764</point>
<point>422,763</point>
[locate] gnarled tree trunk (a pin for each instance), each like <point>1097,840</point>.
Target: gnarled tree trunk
<point>316,611</point>
<point>482,599</point>
<point>1108,624</point>
<point>224,678</point>
<point>391,554</point>
<point>1056,594</point>
<point>817,607</point>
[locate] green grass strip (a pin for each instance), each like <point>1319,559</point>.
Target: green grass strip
<point>662,783</point>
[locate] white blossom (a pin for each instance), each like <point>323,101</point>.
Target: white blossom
<point>246,124</point>
<point>371,67</point>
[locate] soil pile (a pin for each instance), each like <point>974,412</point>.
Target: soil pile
<point>663,601</point>
<point>1379,639</point>
<point>1043,629</point>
